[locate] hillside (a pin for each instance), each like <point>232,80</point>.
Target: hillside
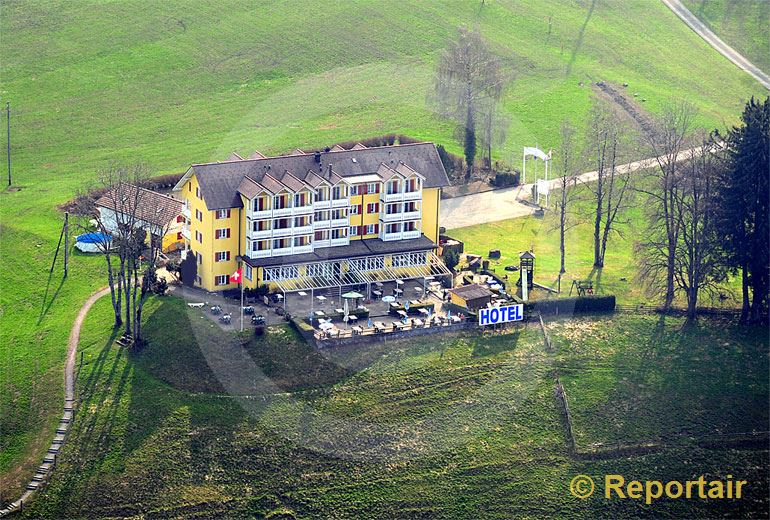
<point>170,84</point>
<point>742,24</point>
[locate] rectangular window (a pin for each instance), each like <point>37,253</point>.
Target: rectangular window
<point>372,229</point>
<point>373,187</point>
<point>339,233</point>
<point>353,231</point>
<point>197,192</point>
<point>247,271</point>
<point>373,207</point>
<point>223,233</point>
<point>199,215</point>
<point>200,258</point>
<point>393,228</point>
<point>223,213</point>
<point>179,235</point>
<point>354,190</point>
<point>222,256</point>
<point>356,210</point>
<point>221,279</point>
<point>199,236</point>
<point>197,279</point>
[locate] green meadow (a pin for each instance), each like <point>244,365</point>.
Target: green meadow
<point>459,425</point>
<point>173,83</point>
<point>741,24</point>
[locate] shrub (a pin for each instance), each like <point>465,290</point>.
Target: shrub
<point>259,330</point>
<point>579,304</point>
<point>505,179</point>
<point>160,286</point>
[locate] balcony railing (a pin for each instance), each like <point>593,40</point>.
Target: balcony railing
<point>296,250</point>
<point>302,230</point>
<point>321,224</point>
<point>413,195</point>
<point>411,215</point>
<point>321,243</point>
<point>186,232</point>
<point>283,232</point>
<point>337,222</point>
<point>391,217</point>
<point>282,212</point>
<point>340,203</point>
<point>261,254</point>
<point>415,233</point>
<point>391,197</point>
<point>263,233</point>
<point>340,241</point>
<point>322,204</point>
<point>302,210</point>
<point>262,213</point>
<point>186,211</point>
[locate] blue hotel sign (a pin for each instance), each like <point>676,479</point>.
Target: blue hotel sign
<point>495,315</point>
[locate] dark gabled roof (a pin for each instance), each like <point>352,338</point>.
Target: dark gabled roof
<point>356,248</point>
<point>219,181</point>
<point>147,205</point>
<point>471,292</point>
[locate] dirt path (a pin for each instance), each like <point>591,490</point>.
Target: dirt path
<point>49,461</point>
<point>508,203</point>
<point>712,39</point>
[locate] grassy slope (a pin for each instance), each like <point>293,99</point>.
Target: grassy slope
<point>466,426</point>
<point>742,24</point>
<point>171,84</point>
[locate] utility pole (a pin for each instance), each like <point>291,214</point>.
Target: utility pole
<point>66,242</point>
<point>8,134</point>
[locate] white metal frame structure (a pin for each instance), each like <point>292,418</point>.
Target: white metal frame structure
<point>535,153</point>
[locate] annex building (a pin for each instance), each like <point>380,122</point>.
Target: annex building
<point>315,220</point>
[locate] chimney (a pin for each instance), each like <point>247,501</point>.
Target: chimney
<point>329,170</point>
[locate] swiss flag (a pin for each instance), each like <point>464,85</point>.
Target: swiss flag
<point>237,276</point>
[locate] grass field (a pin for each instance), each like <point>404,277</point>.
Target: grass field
<point>171,83</point>
<point>742,24</point>
<point>453,426</point>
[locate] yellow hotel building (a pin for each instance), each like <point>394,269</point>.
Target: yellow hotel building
<point>315,220</point>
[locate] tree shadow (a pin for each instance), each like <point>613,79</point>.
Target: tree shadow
<point>579,42</point>
<point>46,304</point>
<point>497,344</point>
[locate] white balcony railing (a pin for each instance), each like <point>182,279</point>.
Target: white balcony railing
<point>391,217</point>
<point>283,232</point>
<point>302,210</point>
<point>186,232</point>
<point>302,230</point>
<point>415,233</point>
<point>339,222</point>
<point>411,215</point>
<point>282,212</point>
<point>321,224</point>
<point>264,233</point>
<point>265,213</point>
<point>391,197</point>
<point>321,243</point>
<point>296,250</point>
<point>413,195</point>
<point>322,204</point>
<point>261,254</point>
<point>186,211</point>
<point>390,236</point>
<point>340,241</point>
<point>340,203</point>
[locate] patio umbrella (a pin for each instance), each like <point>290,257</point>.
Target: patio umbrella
<point>346,311</point>
<point>369,323</point>
<point>388,299</point>
<point>352,295</point>
<point>406,305</point>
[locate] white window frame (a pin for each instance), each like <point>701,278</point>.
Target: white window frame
<point>218,280</point>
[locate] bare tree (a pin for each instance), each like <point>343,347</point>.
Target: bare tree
<point>606,135</point>
<point>667,138</point>
<point>494,131</point>
<point>698,266</point>
<point>567,162</point>
<point>129,215</point>
<point>468,83</point>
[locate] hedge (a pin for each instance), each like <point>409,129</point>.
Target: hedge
<point>579,304</point>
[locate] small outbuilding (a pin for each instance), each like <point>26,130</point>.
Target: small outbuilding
<point>471,297</point>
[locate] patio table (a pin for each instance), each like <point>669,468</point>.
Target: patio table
<point>424,311</point>
<point>417,322</point>
<point>339,311</point>
<point>378,294</point>
<point>357,330</point>
<point>319,313</point>
<point>302,293</point>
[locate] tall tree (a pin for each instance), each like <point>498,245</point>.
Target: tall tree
<point>698,266</point>
<point>743,216</point>
<point>468,84</point>
<point>606,136</point>
<point>566,158</point>
<point>667,138</point>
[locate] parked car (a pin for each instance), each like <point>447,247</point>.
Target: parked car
<point>248,310</point>
<point>216,309</point>
<point>257,319</point>
<point>225,318</point>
